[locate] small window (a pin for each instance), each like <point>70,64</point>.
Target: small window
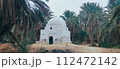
<point>44,39</point>
<point>51,28</point>
<point>55,39</point>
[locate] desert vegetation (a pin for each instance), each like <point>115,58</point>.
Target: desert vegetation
<point>22,20</point>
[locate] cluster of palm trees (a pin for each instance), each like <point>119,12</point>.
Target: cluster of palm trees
<point>94,14</point>
<point>22,20</point>
<point>110,31</point>
<point>19,17</point>
<point>86,23</point>
<point>95,23</point>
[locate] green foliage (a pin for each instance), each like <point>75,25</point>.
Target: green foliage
<point>113,3</point>
<point>21,17</point>
<point>74,25</point>
<point>7,39</point>
<point>110,31</point>
<point>106,45</point>
<point>77,42</point>
<point>91,16</point>
<point>117,46</point>
<point>91,8</point>
<point>42,50</point>
<point>25,20</point>
<point>30,37</point>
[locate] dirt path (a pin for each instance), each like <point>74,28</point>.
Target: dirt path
<point>74,48</point>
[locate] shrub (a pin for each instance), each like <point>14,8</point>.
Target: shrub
<point>42,50</point>
<point>77,42</point>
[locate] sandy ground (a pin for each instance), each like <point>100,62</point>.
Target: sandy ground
<point>74,48</point>
<point>7,48</point>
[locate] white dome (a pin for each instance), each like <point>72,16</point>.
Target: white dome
<point>58,21</point>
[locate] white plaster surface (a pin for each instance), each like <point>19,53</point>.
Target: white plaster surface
<point>56,28</point>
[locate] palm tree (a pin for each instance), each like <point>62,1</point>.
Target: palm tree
<point>115,21</point>
<point>91,11</point>
<point>70,18</point>
<point>110,30</point>
<point>82,17</point>
<point>21,14</point>
<point>111,7</point>
<point>113,3</point>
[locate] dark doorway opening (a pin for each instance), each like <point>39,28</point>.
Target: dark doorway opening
<point>51,40</point>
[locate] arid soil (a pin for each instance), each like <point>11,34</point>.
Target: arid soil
<point>59,48</point>
<point>7,48</point>
<point>73,48</point>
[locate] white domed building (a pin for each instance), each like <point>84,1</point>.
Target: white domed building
<point>55,31</point>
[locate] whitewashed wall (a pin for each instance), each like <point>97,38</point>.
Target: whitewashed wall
<point>59,31</point>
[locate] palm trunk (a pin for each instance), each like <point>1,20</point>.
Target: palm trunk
<point>97,32</point>
<point>85,31</point>
<point>16,30</point>
<point>22,35</point>
<point>90,30</point>
<point>16,41</point>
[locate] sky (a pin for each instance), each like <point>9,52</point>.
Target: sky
<point>59,6</point>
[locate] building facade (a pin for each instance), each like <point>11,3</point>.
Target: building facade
<point>55,31</point>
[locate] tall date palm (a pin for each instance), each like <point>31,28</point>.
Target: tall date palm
<point>20,12</point>
<point>93,13</point>
<point>72,23</point>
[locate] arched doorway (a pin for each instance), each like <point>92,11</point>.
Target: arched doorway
<point>51,40</point>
